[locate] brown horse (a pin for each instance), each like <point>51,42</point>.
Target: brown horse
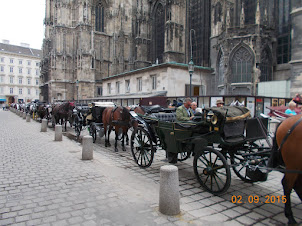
<point>62,112</point>
<point>119,118</point>
<point>291,153</point>
<point>42,111</point>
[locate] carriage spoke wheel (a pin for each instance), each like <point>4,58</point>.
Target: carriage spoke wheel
<point>182,156</point>
<point>142,148</point>
<point>212,171</point>
<point>240,163</point>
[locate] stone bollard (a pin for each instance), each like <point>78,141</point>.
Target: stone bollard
<point>28,118</point>
<point>169,190</point>
<point>58,133</point>
<point>44,125</point>
<point>87,149</point>
<point>24,115</point>
<point>21,114</point>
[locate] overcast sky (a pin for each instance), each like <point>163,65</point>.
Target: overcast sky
<point>22,21</point>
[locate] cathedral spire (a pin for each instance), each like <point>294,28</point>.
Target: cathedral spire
<point>242,17</point>
<point>258,13</point>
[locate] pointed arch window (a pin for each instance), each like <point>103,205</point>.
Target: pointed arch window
<point>100,18</point>
<point>242,62</point>
<point>159,28</point>
<point>266,66</point>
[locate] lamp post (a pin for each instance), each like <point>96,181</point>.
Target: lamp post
<point>77,85</point>
<point>191,63</point>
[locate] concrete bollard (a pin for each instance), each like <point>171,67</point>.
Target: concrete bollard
<point>44,125</point>
<point>21,114</point>
<point>169,190</point>
<point>28,118</point>
<point>24,115</point>
<point>87,149</point>
<point>58,133</point>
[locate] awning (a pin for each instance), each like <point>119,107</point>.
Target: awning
<point>2,98</point>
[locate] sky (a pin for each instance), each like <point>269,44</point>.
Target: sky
<point>22,21</point>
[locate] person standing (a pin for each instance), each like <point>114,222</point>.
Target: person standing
<point>219,103</point>
<point>184,112</point>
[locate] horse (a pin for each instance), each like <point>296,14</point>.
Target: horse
<point>62,112</point>
<point>118,117</point>
<point>41,111</point>
<point>287,151</point>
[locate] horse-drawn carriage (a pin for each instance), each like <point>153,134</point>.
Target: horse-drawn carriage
<point>90,117</point>
<point>218,135</point>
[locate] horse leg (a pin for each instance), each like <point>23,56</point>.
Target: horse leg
<point>288,182</point>
<point>116,129</point>
<point>108,137</point>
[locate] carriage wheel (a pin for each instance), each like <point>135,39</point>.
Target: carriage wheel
<point>182,156</point>
<point>142,147</point>
<point>240,163</point>
<point>212,171</point>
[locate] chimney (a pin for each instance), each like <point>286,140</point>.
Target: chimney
<point>24,44</point>
<point>4,41</point>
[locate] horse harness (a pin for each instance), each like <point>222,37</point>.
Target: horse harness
<point>289,133</point>
<point>117,122</point>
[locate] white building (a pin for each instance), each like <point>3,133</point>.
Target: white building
<point>19,73</point>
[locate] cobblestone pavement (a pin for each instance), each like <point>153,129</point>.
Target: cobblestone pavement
<point>46,182</point>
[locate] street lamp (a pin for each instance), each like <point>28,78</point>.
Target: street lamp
<point>191,71</point>
<point>191,63</point>
<point>77,85</point>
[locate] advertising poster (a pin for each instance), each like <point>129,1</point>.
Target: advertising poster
<point>251,105</point>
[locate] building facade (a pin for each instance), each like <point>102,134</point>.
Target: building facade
<point>19,73</point>
<point>237,43</point>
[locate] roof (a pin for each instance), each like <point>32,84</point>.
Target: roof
<point>168,64</point>
<point>20,50</point>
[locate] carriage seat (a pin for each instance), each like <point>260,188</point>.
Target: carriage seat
<point>167,117</point>
<point>234,131</point>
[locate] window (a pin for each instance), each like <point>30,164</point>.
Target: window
<point>37,92</point>
<point>153,77</point>
<point>2,59</point>
<point>28,71</point>
<point>20,80</point>
<point>20,62</point>
<point>37,71</point>
<point>20,91</point>
<point>100,91</point>
<point>127,86</point>
<point>2,68</point>
<point>28,62</point>
<point>11,90</point>
<point>28,91</point>
<point>266,66</point>
<point>11,80</point>
<point>20,70</point>
<point>1,79</point>
<point>37,64</point>
<point>139,84</point>
<point>11,60</point>
<point>117,87</point>
<point>242,66</point>
<point>37,81</point>
<point>199,21</point>
<point>99,18</point>
<point>250,11</point>
<point>28,81</point>
<point>11,69</point>
<point>109,88</point>
<point>159,33</point>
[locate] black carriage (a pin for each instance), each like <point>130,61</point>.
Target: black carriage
<point>219,139</point>
<point>90,117</point>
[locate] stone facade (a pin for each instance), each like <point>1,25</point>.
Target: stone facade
<point>19,73</point>
<point>244,42</point>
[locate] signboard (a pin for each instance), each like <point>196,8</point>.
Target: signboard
<point>213,101</point>
<point>251,105</point>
